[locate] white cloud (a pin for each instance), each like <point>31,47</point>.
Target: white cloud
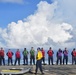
<point>66,11</point>
<point>38,29</point>
<point>12,1</point>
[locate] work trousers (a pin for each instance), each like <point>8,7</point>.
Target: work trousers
<point>65,59</point>
<point>10,61</point>
<point>43,60</point>
<point>73,60</point>
<point>2,60</point>
<point>17,59</point>
<point>59,58</point>
<point>25,58</point>
<point>50,58</point>
<point>38,65</point>
<point>32,59</point>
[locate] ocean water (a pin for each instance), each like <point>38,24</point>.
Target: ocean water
<point>46,57</point>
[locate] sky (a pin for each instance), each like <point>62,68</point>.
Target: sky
<point>38,23</point>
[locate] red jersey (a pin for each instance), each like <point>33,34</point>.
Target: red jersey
<point>43,53</point>
<point>50,53</point>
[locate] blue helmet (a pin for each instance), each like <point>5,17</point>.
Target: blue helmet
<point>38,48</point>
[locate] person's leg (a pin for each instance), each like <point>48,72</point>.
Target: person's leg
<point>57,60</point>
<point>52,60</point>
<point>33,60</point>
<point>75,60</point>
<point>18,61</point>
<point>26,60</point>
<point>37,65</point>
<point>49,60</point>
<point>60,60</point>
<point>44,60</point>
<point>15,61</point>
<point>3,61</point>
<point>0,60</point>
<point>11,61</point>
<point>40,66</point>
<point>8,61</point>
<point>66,60</point>
<point>30,60</point>
<point>72,60</point>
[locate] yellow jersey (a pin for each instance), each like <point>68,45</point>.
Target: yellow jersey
<point>39,55</point>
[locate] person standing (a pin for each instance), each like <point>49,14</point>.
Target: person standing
<point>59,56</point>
<point>50,55</point>
<point>32,56</point>
<point>65,57</point>
<point>73,53</point>
<point>2,56</point>
<point>17,57</point>
<point>39,61</point>
<point>25,56</point>
<point>43,54</point>
<point>10,54</point>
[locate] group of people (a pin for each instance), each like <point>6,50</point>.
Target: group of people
<point>17,56</point>
<point>32,52</point>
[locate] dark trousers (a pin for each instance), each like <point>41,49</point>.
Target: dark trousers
<point>0,60</point>
<point>38,65</point>
<point>25,58</point>
<point>65,59</point>
<point>32,58</point>
<point>43,60</point>
<point>17,59</point>
<point>3,60</point>
<point>59,58</point>
<point>73,60</point>
<point>10,60</point>
<point>50,58</point>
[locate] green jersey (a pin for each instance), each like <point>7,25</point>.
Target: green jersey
<point>32,52</point>
<point>25,53</point>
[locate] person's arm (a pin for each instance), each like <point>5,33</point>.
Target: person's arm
<point>47,52</point>
<point>30,52</point>
<point>63,52</point>
<point>12,53</point>
<point>72,53</point>
<point>7,53</point>
<point>57,54</point>
<point>53,52</point>
<point>27,52</point>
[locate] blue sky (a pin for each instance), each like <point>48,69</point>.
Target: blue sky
<point>44,23</point>
<point>10,12</point>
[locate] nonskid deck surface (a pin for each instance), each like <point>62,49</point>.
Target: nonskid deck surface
<point>47,69</point>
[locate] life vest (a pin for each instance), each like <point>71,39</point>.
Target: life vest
<point>65,53</point>
<point>25,53</point>
<point>2,53</point>
<point>74,53</point>
<point>39,55</point>
<point>9,54</point>
<point>59,53</point>
<point>32,52</point>
<point>17,54</point>
<point>43,53</point>
<point>50,53</point>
